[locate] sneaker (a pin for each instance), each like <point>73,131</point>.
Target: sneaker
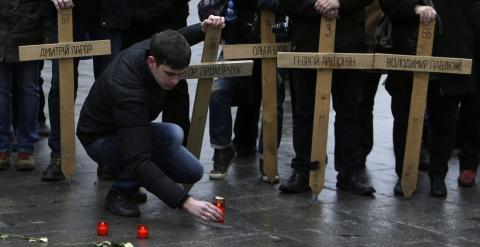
<point>121,203</point>
<point>222,159</point>
<point>54,171</point>
<point>467,178</point>
<point>4,160</point>
<point>25,161</point>
<point>265,179</point>
<point>43,129</point>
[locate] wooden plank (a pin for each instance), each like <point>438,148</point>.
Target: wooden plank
<point>64,50</point>
<point>202,96</point>
<point>67,106</point>
<point>423,64</point>
<point>250,51</point>
<point>322,108</point>
<point>269,98</point>
<point>309,60</point>
<point>220,69</point>
<point>417,113</point>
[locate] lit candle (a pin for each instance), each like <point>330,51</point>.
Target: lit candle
<point>219,202</point>
<point>102,228</point>
<point>142,231</point>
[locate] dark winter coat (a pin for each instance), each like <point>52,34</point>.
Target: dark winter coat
<point>350,30</point>
<point>107,13</point>
<point>453,38</point>
<point>20,24</point>
<point>159,10</point>
<point>125,100</point>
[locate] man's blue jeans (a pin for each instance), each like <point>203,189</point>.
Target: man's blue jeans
<point>27,74</point>
<point>167,153</point>
<point>80,31</point>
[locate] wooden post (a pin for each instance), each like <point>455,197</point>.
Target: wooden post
<point>202,96</point>
<point>267,51</point>
<point>65,50</point>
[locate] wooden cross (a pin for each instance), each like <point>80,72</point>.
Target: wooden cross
<point>206,72</point>
<point>267,51</point>
<point>421,64</point>
<point>65,51</point>
<point>324,61</point>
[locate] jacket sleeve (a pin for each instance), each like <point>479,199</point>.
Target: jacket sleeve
<point>400,10</point>
<point>193,34</point>
<point>132,119</point>
<point>351,6</point>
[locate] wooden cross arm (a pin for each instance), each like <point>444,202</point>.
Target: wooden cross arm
<point>423,64</point>
<point>307,60</point>
<point>220,69</point>
<point>64,50</point>
<point>250,51</point>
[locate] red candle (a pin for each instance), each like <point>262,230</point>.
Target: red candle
<point>102,228</point>
<point>219,202</point>
<point>142,231</point>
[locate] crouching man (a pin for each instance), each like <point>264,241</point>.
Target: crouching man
<point>116,127</point>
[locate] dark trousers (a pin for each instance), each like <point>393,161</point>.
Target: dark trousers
<point>346,91</point>
<point>177,102</point>
<point>368,92</point>
<point>443,114</point>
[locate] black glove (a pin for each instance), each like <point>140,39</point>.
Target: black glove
<point>273,5</point>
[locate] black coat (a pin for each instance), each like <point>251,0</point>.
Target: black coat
<point>125,100</point>
<point>453,38</point>
<point>20,24</point>
<point>350,32</point>
<point>159,10</point>
<point>107,13</point>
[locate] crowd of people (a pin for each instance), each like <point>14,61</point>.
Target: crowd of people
<point>143,78</point>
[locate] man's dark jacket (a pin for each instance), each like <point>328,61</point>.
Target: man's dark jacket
<point>124,101</point>
<point>350,33</point>
<point>454,37</point>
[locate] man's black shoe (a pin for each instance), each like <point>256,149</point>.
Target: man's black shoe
<point>397,190</point>
<point>354,184</point>
<point>103,172</point>
<point>438,188</point>
<point>297,183</point>
<point>222,159</point>
<point>54,171</point>
<point>424,159</point>
<point>122,203</point>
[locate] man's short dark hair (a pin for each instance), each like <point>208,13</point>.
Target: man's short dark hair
<point>170,48</point>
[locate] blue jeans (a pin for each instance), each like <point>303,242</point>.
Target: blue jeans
<point>80,31</point>
<point>167,153</point>
<point>27,74</point>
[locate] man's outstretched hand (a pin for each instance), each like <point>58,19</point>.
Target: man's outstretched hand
<point>214,22</point>
<point>205,210</point>
<point>63,4</point>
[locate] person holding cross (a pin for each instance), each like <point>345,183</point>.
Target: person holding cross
<point>454,38</point>
<point>305,16</point>
<point>116,130</point>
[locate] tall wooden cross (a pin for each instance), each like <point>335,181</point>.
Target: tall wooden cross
<point>422,64</point>
<point>65,51</point>
<point>267,51</point>
<point>206,72</point>
<point>324,61</point>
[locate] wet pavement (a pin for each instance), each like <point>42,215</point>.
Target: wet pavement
<point>257,214</point>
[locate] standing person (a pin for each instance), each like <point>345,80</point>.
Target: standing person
<point>153,16</point>
<point>99,19</point>
<point>469,121</point>
<point>21,24</point>
<point>116,127</point>
<point>346,89</point>
<point>453,38</point>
